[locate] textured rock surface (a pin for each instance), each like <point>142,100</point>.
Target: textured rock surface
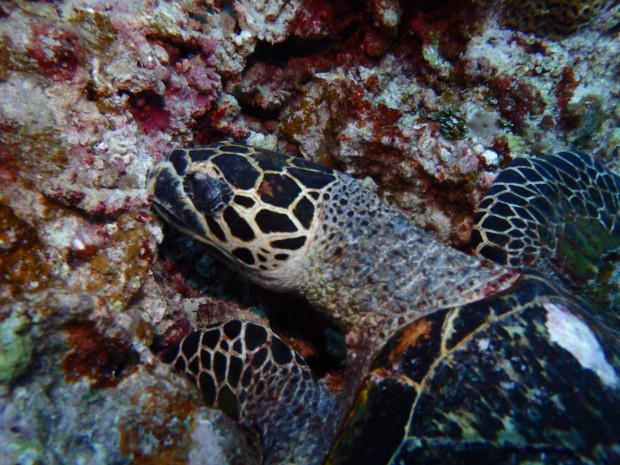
<point>430,99</point>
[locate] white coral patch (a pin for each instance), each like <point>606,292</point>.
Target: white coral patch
<point>573,335</point>
<point>206,444</point>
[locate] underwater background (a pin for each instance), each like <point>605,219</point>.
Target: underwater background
<point>430,99</point>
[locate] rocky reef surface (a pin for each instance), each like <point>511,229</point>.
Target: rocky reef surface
<point>429,99</point>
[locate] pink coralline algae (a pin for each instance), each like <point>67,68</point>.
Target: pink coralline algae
<point>427,100</point>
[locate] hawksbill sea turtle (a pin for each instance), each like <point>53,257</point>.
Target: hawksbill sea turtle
<point>451,358</point>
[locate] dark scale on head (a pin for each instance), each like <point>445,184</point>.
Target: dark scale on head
<point>237,225</point>
<point>216,229</point>
<point>209,195</point>
<point>233,148</point>
<point>244,201</point>
<point>167,191</point>
<point>270,222</point>
<point>179,160</point>
<point>304,212</point>
<point>245,255</point>
<point>279,190</point>
<point>301,163</point>
<point>270,161</point>
<point>237,170</point>
<point>293,243</point>
<point>201,154</point>
<point>312,179</point>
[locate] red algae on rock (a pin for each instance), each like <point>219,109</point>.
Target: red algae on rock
<point>103,361</point>
<point>23,264</point>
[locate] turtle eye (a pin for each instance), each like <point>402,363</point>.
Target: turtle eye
<point>208,194</point>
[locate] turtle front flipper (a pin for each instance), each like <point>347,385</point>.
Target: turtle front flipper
<point>559,214</point>
<point>252,375</point>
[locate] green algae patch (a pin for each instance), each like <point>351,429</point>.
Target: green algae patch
<point>15,347</point>
<point>451,123</point>
<point>581,247</point>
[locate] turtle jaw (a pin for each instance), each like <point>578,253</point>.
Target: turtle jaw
<point>172,204</point>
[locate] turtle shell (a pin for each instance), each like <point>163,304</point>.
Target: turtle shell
<point>522,376</point>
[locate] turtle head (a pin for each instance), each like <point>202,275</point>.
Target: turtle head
<point>254,209</point>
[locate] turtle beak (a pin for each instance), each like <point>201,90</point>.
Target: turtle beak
<point>172,203</point>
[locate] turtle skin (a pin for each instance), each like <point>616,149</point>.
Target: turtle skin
<point>473,364</point>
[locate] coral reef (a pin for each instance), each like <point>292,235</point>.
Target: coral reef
<point>426,99</point>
